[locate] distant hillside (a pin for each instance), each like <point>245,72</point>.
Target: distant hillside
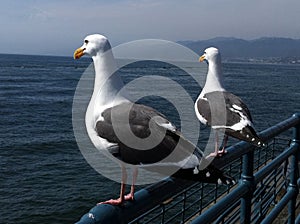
<point>244,49</point>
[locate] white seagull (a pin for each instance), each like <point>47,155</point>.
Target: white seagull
<point>113,113</point>
<point>222,110</point>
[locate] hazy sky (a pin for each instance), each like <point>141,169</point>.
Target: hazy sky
<point>57,27</point>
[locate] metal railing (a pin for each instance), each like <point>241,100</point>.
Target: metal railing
<point>268,183</point>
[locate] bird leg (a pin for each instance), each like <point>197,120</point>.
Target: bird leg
<point>130,196</point>
<point>120,200</point>
<point>223,151</point>
<point>218,152</point>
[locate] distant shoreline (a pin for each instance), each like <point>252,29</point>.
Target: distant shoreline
<point>236,60</point>
<point>271,61</point>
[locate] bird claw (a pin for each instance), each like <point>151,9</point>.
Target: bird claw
<point>129,197</point>
<point>219,153</point>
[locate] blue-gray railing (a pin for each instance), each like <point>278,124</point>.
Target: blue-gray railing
<point>268,183</point>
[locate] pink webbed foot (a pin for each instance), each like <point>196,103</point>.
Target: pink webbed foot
<point>118,201</point>
<point>128,197</point>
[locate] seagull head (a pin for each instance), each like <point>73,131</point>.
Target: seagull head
<point>92,45</point>
<point>210,54</point>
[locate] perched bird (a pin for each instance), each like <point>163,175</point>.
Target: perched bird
<point>222,110</point>
<point>111,119</point>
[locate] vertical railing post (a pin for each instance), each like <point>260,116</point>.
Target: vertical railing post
<point>247,179</point>
<point>294,175</point>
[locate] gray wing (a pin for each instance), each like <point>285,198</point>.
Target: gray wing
<point>222,105</point>
<point>139,117</point>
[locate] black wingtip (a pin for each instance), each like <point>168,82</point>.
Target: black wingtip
<point>248,134</point>
<point>208,175</point>
<point>257,142</point>
<point>227,180</point>
<point>219,177</point>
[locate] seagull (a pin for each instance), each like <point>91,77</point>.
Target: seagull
<point>119,124</point>
<point>222,110</point>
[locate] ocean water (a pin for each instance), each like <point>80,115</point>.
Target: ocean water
<point>43,175</point>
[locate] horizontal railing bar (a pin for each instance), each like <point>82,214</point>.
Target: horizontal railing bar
<point>148,212</point>
<point>275,163</point>
<point>258,192</point>
<point>280,206</point>
<point>193,191</point>
<point>150,219</point>
<point>234,218</point>
<point>266,202</point>
<point>173,217</point>
<point>192,204</point>
<point>145,199</point>
<point>228,211</point>
<point>222,205</point>
<point>192,215</point>
<point>159,214</point>
<point>174,204</point>
<point>236,165</point>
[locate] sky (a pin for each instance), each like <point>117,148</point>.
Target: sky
<point>58,27</point>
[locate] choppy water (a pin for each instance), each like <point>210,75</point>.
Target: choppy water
<point>43,176</point>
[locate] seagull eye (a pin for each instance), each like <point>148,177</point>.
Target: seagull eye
<point>86,41</point>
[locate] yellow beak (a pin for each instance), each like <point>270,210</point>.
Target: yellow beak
<point>79,53</point>
<point>202,58</point>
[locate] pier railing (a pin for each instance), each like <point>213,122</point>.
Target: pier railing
<point>267,189</point>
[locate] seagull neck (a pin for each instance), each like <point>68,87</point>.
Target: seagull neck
<point>107,82</point>
<point>214,79</point>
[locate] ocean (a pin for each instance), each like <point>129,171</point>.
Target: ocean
<point>43,176</point>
